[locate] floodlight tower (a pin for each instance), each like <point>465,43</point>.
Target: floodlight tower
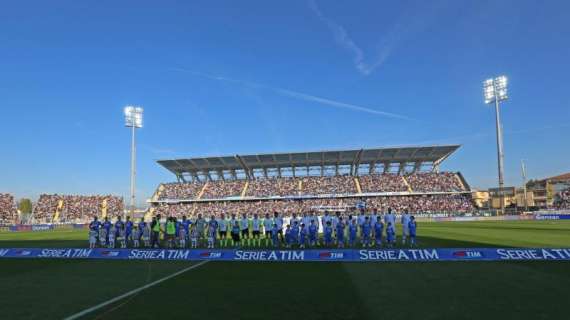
<point>495,91</point>
<point>523,171</point>
<point>133,120</point>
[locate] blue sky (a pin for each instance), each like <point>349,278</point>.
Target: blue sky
<point>227,77</point>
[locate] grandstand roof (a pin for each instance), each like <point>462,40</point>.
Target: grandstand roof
<point>352,161</point>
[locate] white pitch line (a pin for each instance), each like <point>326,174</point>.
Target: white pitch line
<point>130,293</point>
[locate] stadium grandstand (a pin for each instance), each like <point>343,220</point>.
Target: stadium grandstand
<point>403,178</point>
<point>8,211</point>
<point>54,208</point>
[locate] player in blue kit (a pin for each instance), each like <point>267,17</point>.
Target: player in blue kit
<point>106,230</point>
<point>366,229</point>
<point>390,234</point>
<point>119,225</point>
<point>328,234</point>
<point>140,232</point>
<point>303,236</point>
<point>182,236</point>
<point>128,230</point>
<point>275,235</point>
<point>340,232</point>
<point>295,233</point>
<point>352,230</point>
<point>412,227</point>
<point>185,224</point>
<point>378,230</point>
<point>288,236</point>
<point>313,233</point>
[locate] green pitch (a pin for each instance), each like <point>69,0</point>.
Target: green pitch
<point>55,289</point>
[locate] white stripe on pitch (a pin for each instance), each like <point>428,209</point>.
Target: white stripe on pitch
<point>130,293</point>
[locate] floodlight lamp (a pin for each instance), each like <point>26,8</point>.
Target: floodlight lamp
<point>133,116</point>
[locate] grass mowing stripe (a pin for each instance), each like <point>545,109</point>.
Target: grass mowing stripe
<point>127,294</point>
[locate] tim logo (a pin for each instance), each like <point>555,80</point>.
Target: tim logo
<point>22,253</point>
<point>210,255</point>
<point>110,253</point>
<point>331,255</point>
<point>465,254</point>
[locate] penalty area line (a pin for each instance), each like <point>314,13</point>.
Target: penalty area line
<point>134,291</point>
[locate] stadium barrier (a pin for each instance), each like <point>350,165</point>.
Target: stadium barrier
<point>341,255</point>
<point>45,227</point>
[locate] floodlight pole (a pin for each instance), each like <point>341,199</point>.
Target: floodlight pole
<point>133,170</point>
<point>500,155</point>
<point>523,169</point>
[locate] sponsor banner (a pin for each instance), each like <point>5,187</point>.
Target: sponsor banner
<point>33,227</point>
<point>345,255</point>
<point>552,217</point>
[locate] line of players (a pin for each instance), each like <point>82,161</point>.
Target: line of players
<point>338,230</point>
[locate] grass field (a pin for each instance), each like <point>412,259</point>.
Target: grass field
<point>55,289</point>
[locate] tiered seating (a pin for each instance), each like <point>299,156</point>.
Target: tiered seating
<point>273,187</point>
<point>76,208</point>
<point>328,185</point>
<point>8,212</point>
<point>46,207</point>
<point>181,190</point>
<point>435,182</point>
<point>415,204</point>
<point>382,183</point>
<point>563,199</point>
<point>223,189</point>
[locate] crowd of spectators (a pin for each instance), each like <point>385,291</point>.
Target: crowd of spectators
<point>435,182</point>
<point>46,207</point>
<point>315,185</point>
<point>425,203</point>
<point>286,186</point>
<point>222,189</point>
<point>329,185</point>
<point>76,208</point>
<point>387,182</point>
<point>563,199</point>
<point>414,204</point>
<point>8,212</point>
<point>181,190</point>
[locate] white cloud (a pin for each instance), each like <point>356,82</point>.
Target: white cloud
<point>300,95</point>
<point>342,37</point>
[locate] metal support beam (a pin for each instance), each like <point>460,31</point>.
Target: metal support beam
<point>243,165</point>
<point>386,167</point>
<point>401,168</point>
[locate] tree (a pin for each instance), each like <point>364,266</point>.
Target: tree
<point>25,206</point>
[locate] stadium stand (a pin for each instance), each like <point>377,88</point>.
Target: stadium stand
<point>273,186</point>
<point>382,183</point>
<point>181,190</point>
<point>435,182</point>
<point>8,212</point>
<point>301,182</point>
<point>76,208</point>
<point>223,189</point>
<point>414,204</point>
<point>563,199</point>
<point>328,185</point>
